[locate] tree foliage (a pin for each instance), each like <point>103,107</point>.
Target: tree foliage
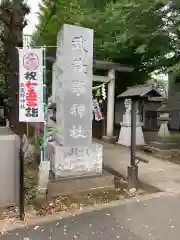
<point>55,13</point>
<point>142,33</point>
<point>3,80</point>
<point>160,84</point>
<point>3,68</point>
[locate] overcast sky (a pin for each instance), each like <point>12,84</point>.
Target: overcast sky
<point>32,17</point>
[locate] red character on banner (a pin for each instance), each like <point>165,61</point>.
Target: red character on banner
<point>31,96</point>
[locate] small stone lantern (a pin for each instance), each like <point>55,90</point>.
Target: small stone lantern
<point>164,118</point>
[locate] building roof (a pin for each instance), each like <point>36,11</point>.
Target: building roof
<point>139,91</point>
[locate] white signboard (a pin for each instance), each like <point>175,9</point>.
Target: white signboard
<point>31,107</point>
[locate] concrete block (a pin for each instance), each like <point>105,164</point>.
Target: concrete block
<point>9,168</point>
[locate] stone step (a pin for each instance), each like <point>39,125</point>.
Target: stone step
<point>68,186</point>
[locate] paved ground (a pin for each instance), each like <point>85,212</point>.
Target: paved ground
<point>161,174</point>
<point>155,219</point>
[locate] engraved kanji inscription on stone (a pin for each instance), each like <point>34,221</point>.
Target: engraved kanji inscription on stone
<point>77,132</point>
<point>78,43</point>
<point>78,65</point>
<point>78,87</point>
<point>78,109</point>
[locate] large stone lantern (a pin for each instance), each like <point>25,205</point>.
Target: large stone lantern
<point>164,141</point>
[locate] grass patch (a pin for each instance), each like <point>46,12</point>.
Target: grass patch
<point>30,182</point>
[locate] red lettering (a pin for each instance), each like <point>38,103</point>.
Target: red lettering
<point>31,96</point>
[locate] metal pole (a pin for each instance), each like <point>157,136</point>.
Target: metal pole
<point>133,132</point>
<point>133,169</point>
<point>45,106</point>
<point>21,180</point>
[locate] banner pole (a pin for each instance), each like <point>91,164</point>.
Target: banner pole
<point>45,112</point>
<point>27,129</point>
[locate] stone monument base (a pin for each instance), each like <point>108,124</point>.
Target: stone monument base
<point>69,186</point>
<point>125,135</point>
<point>72,162</point>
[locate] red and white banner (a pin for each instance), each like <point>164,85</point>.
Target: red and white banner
<point>97,110</point>
<point>31,107</point>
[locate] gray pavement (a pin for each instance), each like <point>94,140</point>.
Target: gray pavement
<point>158,173</point>
<point>155,219</point>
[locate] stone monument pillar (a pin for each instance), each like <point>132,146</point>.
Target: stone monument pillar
<point>73,154</point>
<point>54,82</point>
<point>125,131</point>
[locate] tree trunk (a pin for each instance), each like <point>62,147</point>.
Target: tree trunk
<point>15,40</point>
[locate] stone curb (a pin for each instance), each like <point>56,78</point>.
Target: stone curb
<point>59,216</point>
